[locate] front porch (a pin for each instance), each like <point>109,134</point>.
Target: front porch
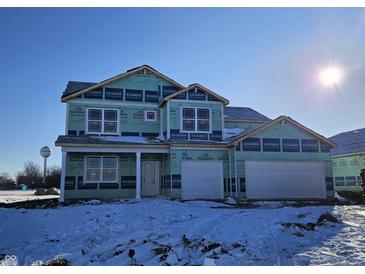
<point>110,172</point>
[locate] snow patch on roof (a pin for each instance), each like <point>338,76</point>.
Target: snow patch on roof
<point>231,132</point>
<point>123,139</point>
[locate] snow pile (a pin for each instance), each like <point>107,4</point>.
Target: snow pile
<point>163,232</point>
<point>339,198</point>
<point>14,196</point>
<point>230,201</point>
<point>231,132</point>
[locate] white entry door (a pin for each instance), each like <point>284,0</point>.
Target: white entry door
<point>202,179</point>
<point>150,178</point>
<point>285,180</point>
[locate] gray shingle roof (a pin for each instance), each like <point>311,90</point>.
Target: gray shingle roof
<point>349,142</point>
<point>73,86</point>
<point>243,113</point>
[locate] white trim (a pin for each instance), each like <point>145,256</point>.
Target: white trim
<point>195,119</point>
<point>346,154</point>
<point>161,122</point>
<point>150,120</point>
<point>101,181</point>
<point>63,176</point>
<point>102,149</point>
<point>171,173</point>
<point>168,120</point>
<point>223,126</point>
<point>235,169</point>
<point>102,121</point>
<point>67,116</point>
<point>230,171</point>
<point>138,175</point>
<point>114,103</point>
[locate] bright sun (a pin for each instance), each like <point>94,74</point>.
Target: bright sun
<point>331,76</point>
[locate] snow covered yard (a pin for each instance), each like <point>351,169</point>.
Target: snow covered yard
<point>15,196</point>
<point>163,232</point>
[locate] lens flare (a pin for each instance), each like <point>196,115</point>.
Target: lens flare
<point>331,76</point>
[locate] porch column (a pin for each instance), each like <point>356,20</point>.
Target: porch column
<point>138,175</point>
<point>63,175</point>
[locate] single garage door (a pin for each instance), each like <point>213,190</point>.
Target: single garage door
<point>202,180</point>
<point>285,180</point>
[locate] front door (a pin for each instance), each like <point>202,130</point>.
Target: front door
<point>150,178</point>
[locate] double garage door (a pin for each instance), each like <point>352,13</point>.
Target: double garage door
<point>264,179</point>
<point>285,180</point>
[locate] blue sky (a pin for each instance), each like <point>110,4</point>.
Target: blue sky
<point>267,59</point>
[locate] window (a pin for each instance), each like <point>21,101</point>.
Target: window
<point>340,181</point>
<point>291,145</point>
<point>102,121</point>
<point>101,169</point>
<point>195,119</point>
<point>150,115</point>
<point>309,145</point>
<point>133,95</point>
<point>113,94</point>
<point>94,94</point>
<point>251,144</point>
<point>151,96</point>
<point>271,144</point>
<point>350,181</point>
<point>325,147</point>
<point>359,180</point>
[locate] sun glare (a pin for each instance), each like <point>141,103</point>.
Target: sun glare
<point>331,76</point>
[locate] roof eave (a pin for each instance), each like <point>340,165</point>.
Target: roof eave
<point>64,98</point>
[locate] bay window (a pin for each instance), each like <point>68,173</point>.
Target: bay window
<point>102,121</point>
<point>195,119</point>
<point>101,169</point>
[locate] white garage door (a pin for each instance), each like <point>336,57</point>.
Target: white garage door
<point>285,179</point>
<point>202,180</point>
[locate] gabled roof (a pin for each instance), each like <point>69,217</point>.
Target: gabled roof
<point>349,142</point>
<point>69,95</point>
<point>235,140</point>
<point>193,86</point>
<point>244,114</point>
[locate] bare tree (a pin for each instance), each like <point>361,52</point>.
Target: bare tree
<point>53,176</point>
<point>31,175</point>
<point>6,182</point>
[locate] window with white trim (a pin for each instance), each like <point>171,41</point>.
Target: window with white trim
<point>101,169</point>
<point>150,115</point>
<point>195,119</point>
<point>102,121</point>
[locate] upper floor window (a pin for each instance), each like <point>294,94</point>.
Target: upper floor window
<point>195,119</point>
<point>291,145</point>
<point>102,121</point>
<point>271,144</point>
<point>310,145</point>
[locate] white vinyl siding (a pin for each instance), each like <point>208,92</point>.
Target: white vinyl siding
<point>100,169</point>
<point>102,121</point>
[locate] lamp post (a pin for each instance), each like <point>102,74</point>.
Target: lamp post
<point>45,153</point>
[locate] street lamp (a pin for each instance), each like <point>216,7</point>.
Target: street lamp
<point>45,153</point>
